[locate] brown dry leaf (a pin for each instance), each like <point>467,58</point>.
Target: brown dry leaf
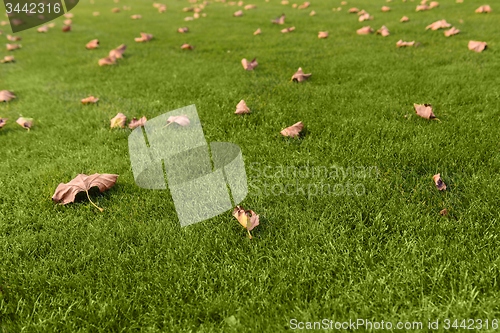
<point>299,76</point>
<point>385,9</point>
<point>6,95</point>
<point>118,121</point>
<point>353,10</point>
<point>439,182</point>
<point>43,28</point>
<point>66,193</point>
<point>238,13</point>
<point>183,30</point>
<point>12,47</point>
<point>25,122</point>
<point>136,17</point>
<point>279,20</point>
<point>247,218</point>
<point>249,65</point>
<point>186,47</point>
<point>404,19</point>
<point>441,24</point>
<point>13,38</point>
<point>364,31</point>
<point>257,32</point>
<point>137,122</point>
<point>181,120</point>
<point>424,111</point>
<point>144,37</point>
<point>304,5</point>
<point>115,10</point>
<point>323,34</point>
<point>3,121</point>
<point>242,108</point>
<point>111,60</point>
<point>484,9</point>
<point>7,59</point>
<point>287,30</point>
<point>421,8</point>
<point>93,44</point>
<point>118,52</point>
<point>400,43</point>
<point>90,100</point>
<point>384,31</point>
<point>433,4</point>
<point>477,46</point>
<point>66,28</point>
<point>293,131</point>
<point>444,212</point>
<point>451,32</point>
<point>365,17</point>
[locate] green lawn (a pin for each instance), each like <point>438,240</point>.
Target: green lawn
<point>385,254</point>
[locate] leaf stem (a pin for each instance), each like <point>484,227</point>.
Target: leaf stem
<point>168,124</point>
<point>102,210</point>
<point>249,235</point>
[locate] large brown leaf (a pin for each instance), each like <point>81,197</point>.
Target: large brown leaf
<point>66,193</point>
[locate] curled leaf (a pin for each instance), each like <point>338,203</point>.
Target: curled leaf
<point>118,52</point>
<point>439,182</point>
<point>242,108</point>
<point>118,121</point>
<point>424,111</point>
<point>443,212</point>
<point>6,95</point>
<point>299,76</point>
<point>293,130</point>
<point>66,193</point>
<point>247,218</point>
<point>25,122</point>
<point>365,30</point>
<point>249,65</point>
<point>365,17</point>
<point>477,46</point>
<point>384,31</point>
<point>93,44</point>
<point>186,47</point>
<point>137,122</point>
<point>66,28</point>
<point>90,100</point>
<point>323,34</point>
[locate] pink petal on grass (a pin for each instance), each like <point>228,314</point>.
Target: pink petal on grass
<point>293,131</point>
<point>181,120</point>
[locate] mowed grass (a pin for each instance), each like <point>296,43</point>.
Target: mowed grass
<point>386,254</point>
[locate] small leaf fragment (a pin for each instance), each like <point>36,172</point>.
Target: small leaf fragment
<point>137,122</point>
<point>440,185</point>
<point>249,65</point>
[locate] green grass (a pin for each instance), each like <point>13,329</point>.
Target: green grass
<point>385,255</point>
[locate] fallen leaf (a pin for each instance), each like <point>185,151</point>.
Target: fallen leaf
<point>68,22</point>
<point>189,18</point>
<point>248,7</point>
<point>93,44</point>
<point>279,20</point>
<point>451,32</point>
<point>323,34</point>
<point>433,4</point>
<point>242,108</point>
<point>238,13</point>
<point>287,30</point>
<point>25,122</point>
<point>293,130</point>
<point>118,121</point>
<point>257,32</point>
<point>96,13</point>
<point>3,121</point>
<point>118,52</point>
<point>183,30</point>
<point>43,28</point>
<point>187,9</point>
<point>477,46</point>
<point>115,10</point>
<point>7,59</point>
<point>13,38</point>
<point>68,15</point>
<point>136,17</point>
<point>353,10</point>
<point>439,182</point>
<point>162,9</point>
<point>299,76</point>
<point>6,96</point>
<point>383,31</point>
<point>365,17</point>
<point>107,61</point>
<point>312,13</point>
<point>51,25</point>
<point>144,38</point>
<point>404,19</point>
<point>66,193</point>
<point>249,65</point>
<point>385,9</point>
<point>441,24</point>
<point>424,111</point>
<point>181,120</point>
<point>247,218</point>
<point>304,5</point>
<point>484,9</point>
<point>137,122</point>
<point>421,8</point>
<point>90,100</point>
<point>443,212</point>
<point>364,31</point>
<point>186,47</point>
<point>12,47</point>
<point>66,28</point>
<point>400,43</point>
